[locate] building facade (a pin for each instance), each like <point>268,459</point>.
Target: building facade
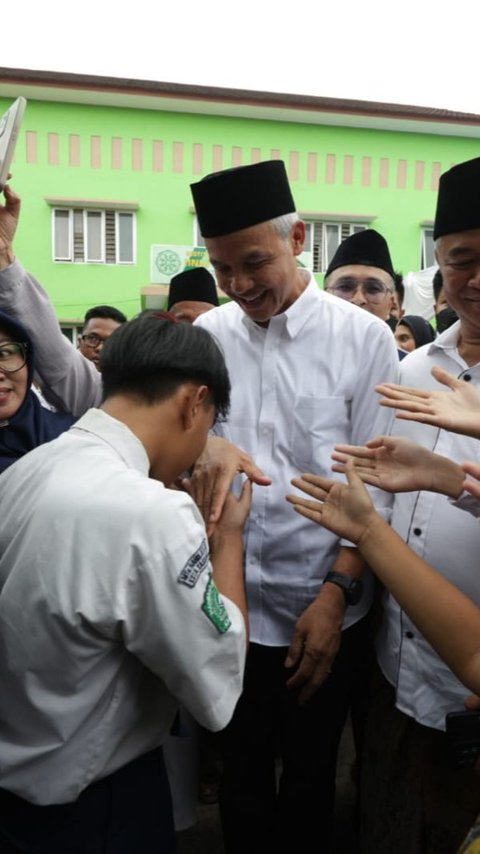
<point>103,167</point>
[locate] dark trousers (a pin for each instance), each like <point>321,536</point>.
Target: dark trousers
<point>128,812</point>
<point>279,758</point>
<point>413,800</point>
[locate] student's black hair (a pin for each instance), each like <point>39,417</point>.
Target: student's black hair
<point>151,356</point>
<point>437,283</point>
<point>105,311</point>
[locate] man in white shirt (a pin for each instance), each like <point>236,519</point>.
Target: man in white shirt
<point>110,612</point>
<point>303,365</point>
<point>429,805</point>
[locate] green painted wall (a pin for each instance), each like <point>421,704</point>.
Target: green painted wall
<point>164,214</point>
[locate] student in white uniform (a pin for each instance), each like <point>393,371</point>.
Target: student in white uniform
<point>110,611</point>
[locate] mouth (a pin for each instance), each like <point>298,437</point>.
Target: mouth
<point>5,394</point>
<point>252,301</point>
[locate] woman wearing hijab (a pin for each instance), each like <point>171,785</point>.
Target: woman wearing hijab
<point>24,422</point>
<point>413,331</point>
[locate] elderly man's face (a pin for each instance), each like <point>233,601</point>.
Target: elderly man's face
<point>368,287</point>
<point>458,257</point>
<point>257,268</point>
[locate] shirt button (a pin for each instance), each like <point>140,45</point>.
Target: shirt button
<point>417,531</point>
<point>409,635</point>
<point>467,378</point>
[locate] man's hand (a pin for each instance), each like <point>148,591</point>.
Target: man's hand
<point>234,513</point>
<point>347,510</point>
<point>9,215</point>
<point>457,410</point>
<point>399,465</point>
<point>213,474</point>
<point>315,642</point>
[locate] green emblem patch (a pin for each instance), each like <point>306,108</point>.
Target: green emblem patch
<point>214,608</point>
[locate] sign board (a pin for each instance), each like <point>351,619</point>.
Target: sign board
<point>166,260</point>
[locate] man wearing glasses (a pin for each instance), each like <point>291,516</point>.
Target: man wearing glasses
<point>99,323</point>
<point>361,272</point>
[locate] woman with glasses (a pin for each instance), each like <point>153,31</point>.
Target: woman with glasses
<point>24,422</point>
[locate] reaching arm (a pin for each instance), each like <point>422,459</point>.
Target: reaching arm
<point>68,380</point>
<point>448,619</point>
<point>399,465</point>
<point>226,549</point>
<point>457,410</point>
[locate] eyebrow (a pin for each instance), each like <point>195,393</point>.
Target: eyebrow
<point>460,251</point>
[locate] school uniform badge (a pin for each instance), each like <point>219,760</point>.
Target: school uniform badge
<point>214,608</point>
<point>194,566</point>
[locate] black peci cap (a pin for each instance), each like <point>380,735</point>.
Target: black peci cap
<point>239,198</point>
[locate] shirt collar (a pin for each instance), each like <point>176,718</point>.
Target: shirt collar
<point>448,340</point>
<point>294,318</point>
<point>116,434</point>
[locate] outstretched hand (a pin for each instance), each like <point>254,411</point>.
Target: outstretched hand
<point>399,465</point>
<point>345,509</point>
<point>457,410</point>
<point>388,462</point>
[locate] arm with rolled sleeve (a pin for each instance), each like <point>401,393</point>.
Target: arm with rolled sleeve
<point>69,381</point>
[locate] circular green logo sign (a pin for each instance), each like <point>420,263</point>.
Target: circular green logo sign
<point>168,262</point>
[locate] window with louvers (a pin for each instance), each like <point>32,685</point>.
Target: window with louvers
<point>324,238</point>
<point>93,236</point>
<point>110,238</point>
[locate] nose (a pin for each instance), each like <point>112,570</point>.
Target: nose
<point>239,283</point>
<point>358,297</point>
<point>474,278</point>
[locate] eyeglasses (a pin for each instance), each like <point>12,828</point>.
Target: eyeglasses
<point>13,357</point>
<point>373,290</point>
<point>93,340</point>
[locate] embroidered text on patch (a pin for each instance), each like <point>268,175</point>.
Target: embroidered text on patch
<point>194,566</point>
<point>214,608</point>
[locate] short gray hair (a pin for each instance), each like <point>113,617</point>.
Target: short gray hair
<point>282,225</point>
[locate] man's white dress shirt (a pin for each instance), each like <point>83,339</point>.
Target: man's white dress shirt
<point>299,386</point>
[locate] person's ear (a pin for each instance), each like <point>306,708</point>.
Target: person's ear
<point>297,236</point>
<point>195,399</point>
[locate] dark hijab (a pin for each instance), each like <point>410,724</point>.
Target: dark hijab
<point>32,424</point>
<point>422,331</point>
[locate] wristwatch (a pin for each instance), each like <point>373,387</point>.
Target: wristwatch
<point>352,587</point>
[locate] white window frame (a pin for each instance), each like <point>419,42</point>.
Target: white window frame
<point>345,228</point>
<point>427,248</point>
<point>118,214</point>
<point>197,237</point>
<point>86,211</point>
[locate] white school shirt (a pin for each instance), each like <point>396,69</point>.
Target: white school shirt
<point>444,536</point>
<point>108,614</point>
<point>299,386</point>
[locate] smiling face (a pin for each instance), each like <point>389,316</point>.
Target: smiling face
<point>257,268</point>
<point>368,287</point>
<point>458,257</point>
<point>13,386</point>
